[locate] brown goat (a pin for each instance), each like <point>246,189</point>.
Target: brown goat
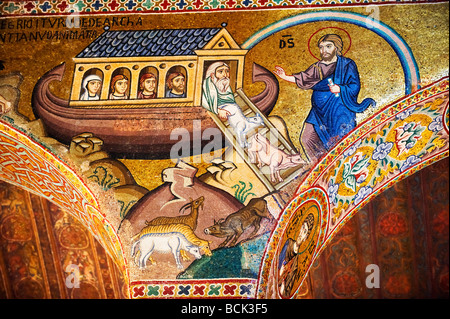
<point>190,219</point>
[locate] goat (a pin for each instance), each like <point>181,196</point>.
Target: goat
<point>190,219</point>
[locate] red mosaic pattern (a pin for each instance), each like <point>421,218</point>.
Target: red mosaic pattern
<point>218,288</point>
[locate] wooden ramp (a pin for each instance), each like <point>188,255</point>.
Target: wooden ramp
<point>269,131</point>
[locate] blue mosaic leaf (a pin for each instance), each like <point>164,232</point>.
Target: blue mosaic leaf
<point>132,41</point>
<point>110,49</point>
<point>95,47</point>
<point>152,34</point>
<point>208,37</point>
<point>115,42</point>
<point>167,33</point>
<point>108,34</point>
<point>137,34</point>
<point>118,53</point>
<point>146,42</point>
<point>201,44</point>
<point>140,49</point>
<point>126,47</point>
<point>182,33</point>
<point>122,35</point>
<point>191,39</point>
<point>170,46</point>
<point>176,40</point>
<point>160,40</point>
<point>198,32</point>
<point>154,48</point>
<point>103,40</point>
<point>185,46</point>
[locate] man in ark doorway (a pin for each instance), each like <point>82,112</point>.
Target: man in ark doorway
<point>216,89</point>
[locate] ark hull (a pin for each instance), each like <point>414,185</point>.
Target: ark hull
<point>141,133</point>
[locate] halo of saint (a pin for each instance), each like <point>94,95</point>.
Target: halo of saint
<point>314,39</point>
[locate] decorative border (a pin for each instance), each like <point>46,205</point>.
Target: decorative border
<point>54,7</point>
<point>267,275</point>
<point>319,197</point>
<point>189,289</point>
<point>28,165</point>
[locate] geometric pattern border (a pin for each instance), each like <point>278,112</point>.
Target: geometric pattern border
<point>66,7</point>
<point>189,289</point>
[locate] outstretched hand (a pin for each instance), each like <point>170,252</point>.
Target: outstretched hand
<point>279,71</point>
<point>282,74</point>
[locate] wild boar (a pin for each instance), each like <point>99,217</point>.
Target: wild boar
<point>236,223</point>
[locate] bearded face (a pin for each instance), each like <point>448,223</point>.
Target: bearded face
<point>221,78</point>
<point>222,84</point>
<point>178,84</point>
<point>327,50</point>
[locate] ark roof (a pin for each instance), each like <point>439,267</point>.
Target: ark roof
<point>168,42</point>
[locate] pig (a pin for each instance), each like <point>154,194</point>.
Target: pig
<point>262,152</point>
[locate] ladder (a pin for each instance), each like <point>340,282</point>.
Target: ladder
<point>269,131</point>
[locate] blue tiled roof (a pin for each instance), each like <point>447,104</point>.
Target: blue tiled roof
<point>168,42</point>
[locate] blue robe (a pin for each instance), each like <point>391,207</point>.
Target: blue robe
<point>333,117</point>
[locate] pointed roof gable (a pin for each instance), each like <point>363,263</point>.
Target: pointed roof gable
<point>222,40</point>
